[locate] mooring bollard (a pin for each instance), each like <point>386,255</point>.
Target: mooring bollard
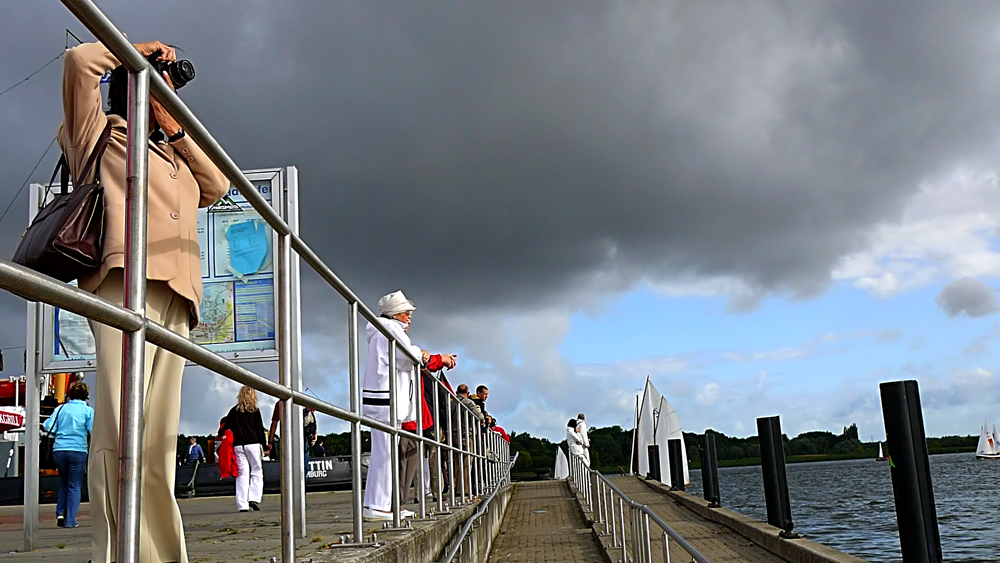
<point>675,458</point>
<point>910,468</point>
<point>654,463</point>
<point>710,470</point>
<point>772,461</point>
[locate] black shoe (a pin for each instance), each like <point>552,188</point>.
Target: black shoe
<point>254,505</point>
<point>61,521</point>
<point>244,510</point>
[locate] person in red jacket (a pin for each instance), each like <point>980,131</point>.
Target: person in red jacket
<point>409,461</point>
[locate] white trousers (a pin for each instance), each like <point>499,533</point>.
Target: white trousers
<point>378,483</point>
<point>250,476</point>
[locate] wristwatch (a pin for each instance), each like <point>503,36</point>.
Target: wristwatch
<point>180,134</point>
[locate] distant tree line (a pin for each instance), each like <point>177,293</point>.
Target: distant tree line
<point>611,447</point>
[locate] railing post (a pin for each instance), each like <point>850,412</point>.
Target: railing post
<point>916,514</point>
<point>394,422</point>
<point>453,481</point>
<point>666,548</point>
<point>133,343</point>
<point>287,407</point>
<point>709,470</point>
<point>772,457</point>
<point>32,402</point>
<point>354,368</point>
<point>418,396</point>
<point>611,505</point>
<point>439,453</point>
<point>646,538</point>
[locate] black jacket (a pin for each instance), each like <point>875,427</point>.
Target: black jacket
<point>247,427</point>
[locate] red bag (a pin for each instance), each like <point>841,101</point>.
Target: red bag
<point>427,417</point>
<point>227,456</point>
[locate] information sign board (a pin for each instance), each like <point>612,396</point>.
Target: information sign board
<point>237,271</point>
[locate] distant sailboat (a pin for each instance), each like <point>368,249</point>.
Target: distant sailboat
<point>881,456</point>
<point>988,447</point>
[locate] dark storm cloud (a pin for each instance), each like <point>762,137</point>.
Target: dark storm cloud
<point>520,154</point>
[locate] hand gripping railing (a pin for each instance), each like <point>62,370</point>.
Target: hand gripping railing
<point>137,329</point>
<point>456,544</point>
<point>608,505</point>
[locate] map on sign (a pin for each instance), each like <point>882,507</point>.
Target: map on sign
<point>237,273</point>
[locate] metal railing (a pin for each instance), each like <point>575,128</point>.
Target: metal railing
<point>470,454</point>
<point>625,520</point>
<point>460,538</point>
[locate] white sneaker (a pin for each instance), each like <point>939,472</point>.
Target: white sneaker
<point>404,513</point>
<point>374,515</point>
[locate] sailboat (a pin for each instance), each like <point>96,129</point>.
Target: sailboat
<point>988,447</point>
<point>881,456</point>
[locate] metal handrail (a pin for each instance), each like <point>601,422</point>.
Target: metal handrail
<point>130,319</point>
<point>604,513</point>
<point>457,543</point>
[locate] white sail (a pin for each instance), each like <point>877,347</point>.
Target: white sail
<point>646,425</point>
<point>661,435</point>
<point>984,447</point>
<point>562,465</point>
<point>880,454</point>
<point>996,440</point>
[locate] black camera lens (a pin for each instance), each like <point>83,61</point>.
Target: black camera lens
<point>181,72</point>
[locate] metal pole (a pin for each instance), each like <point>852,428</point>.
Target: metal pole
<point>462,447</point>
<point>287,407</point>
<point>453,484</point>
<point>438,452</point>
<point>355,376</point>
<point>613,530</point>
<point>666,548</point>
<point>32,406</point>
<point>418,396</point>
<point>131,425</point>
<point>621,512</point>
<point>647,538</point>
<point>772,457</point>
<point>394,422</point>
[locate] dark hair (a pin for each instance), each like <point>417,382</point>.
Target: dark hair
<point>482,388</point>
<point>118,92</point>
<point>463,388</point>
<point>571,423</point>
<point>79,390</point>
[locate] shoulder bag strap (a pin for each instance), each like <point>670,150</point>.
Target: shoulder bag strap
<point>55,423</point>
<point>95,156</point>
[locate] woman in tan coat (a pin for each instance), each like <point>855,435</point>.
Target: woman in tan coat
<point>181,179</point>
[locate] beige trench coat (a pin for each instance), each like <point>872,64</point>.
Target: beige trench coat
<point>181,179</point>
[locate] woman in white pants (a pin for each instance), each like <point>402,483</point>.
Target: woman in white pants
<point>248,441</point>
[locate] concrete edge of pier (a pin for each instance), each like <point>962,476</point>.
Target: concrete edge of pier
<point>427,539</point>
<point>799,550</point>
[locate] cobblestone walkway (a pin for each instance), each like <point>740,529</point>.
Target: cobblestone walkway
<point>714,541</point>
<point>544,523</point>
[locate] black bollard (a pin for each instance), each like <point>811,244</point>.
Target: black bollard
<point>710,470</point>
<point>654,462</point>
<point>675,454</point>
<point>772,461</point>
<point>910,468</point>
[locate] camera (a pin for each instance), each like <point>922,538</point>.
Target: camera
<point>181,72</point>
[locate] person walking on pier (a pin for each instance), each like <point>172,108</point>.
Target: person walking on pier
<point>248,439</point>
<point>71,423</point>
<point>396,314</point>
<point>181,179</point>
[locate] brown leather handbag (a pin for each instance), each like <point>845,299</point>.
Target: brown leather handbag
<point>66,238</point>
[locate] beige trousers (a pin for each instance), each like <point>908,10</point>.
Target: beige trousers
<point>161,530</point>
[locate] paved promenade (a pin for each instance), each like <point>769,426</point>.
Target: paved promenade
<point>216,531</point>
<point>714,541</point>
<point>544,523</point>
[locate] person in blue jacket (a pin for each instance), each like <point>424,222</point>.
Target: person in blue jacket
<point>71,424</point>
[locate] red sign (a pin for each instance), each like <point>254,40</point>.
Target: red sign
<point>10,420</point>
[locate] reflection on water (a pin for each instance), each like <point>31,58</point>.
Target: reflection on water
<point>848,504</point>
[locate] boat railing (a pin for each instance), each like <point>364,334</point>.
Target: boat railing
<point>625,520</point>
<point>137,330</point>
<point>459,540</point>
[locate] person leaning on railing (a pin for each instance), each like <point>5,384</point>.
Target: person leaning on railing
<point>461,408</point>
<point>396,313</point>
<point>181,179</point>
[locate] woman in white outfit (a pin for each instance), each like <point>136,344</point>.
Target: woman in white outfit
<point>581,429</point>
<point>573,440</point>
<point>396,311</point>
<point>248,441</point>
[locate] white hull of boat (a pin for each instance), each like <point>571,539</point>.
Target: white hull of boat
<point>987,456</point>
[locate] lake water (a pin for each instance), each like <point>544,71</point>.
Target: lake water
<point>848,505</point>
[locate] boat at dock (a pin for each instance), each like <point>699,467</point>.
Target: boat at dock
<point>881,455</point>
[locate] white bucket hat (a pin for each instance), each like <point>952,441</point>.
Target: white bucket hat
<point>395,303</point>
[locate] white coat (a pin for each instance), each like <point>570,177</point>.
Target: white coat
<point>376,381</point>
<point>581,429</point>
<point>574,441</point>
